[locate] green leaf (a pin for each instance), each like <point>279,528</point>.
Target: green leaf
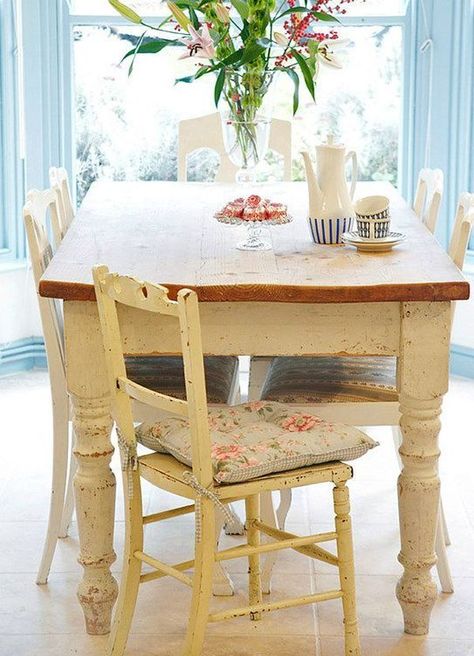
<point>219,86</point>
<point>194,18</point>
<point>296,81</point>
<point>241,7</point>
<point>320,15</point>
<point>306,71</point>
<point>152,47</point>
<point>251,53</point>
<point>137,47</point>
<point>187,80</point>
<point>125,11</point>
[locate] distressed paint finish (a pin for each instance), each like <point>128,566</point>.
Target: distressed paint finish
<point>423,378</point>
<point>94,482</point>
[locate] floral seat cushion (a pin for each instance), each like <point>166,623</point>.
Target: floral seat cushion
<point>259,438</point>
<point>324,379</point>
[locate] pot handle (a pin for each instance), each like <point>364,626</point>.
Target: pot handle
<point>355,170</point>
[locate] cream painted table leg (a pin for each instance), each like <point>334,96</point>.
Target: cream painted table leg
<point>94,482</point>
<point>423,377</point>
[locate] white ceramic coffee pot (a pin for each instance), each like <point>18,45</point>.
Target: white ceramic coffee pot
<point>331,212</point>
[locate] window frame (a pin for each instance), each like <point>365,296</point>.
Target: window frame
<point>12,243</point>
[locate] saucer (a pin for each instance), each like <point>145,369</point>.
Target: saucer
<point>373,245</point>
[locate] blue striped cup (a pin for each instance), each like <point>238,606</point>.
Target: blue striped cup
<point>329,231</point>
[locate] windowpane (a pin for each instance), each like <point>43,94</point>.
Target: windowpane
<point>103,8</point>
<point>377,8</point>
<point>126,127</point>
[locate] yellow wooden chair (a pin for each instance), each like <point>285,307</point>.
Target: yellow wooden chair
<point>198,482</point>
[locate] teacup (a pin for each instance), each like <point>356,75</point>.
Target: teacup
<point>373,217</point>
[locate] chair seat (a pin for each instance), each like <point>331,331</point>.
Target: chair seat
<point>331,380</point>
<point>165,374</point>
<point>166,472</point>
<point>255,439</point>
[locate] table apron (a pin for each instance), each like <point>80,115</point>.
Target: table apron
<point>273,329</point>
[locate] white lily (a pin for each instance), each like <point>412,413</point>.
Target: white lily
<point>281,39</point>
<point>326,51</point>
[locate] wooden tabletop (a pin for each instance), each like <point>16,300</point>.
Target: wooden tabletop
<point>165,232</point>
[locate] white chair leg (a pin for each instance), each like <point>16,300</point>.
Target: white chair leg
<point>68,509</point>
<point>283,508</point>
<point>235,527</point>
<point>442,536</point>
<point>277,520</point>
<point>258,372</point>
<point>447,539</point>
<point>442,564</point>
<point>222,585</point>
<point>58,488</point>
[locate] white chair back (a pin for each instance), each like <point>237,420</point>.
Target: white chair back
<point>58,179</point>
<point>206,132</point>
<point>429,194</point>
<point>462,229</point>
<point>34,215</point>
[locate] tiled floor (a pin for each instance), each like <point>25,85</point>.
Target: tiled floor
<point>47,621</point>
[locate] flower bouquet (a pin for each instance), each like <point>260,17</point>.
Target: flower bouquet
<point>245,44</point>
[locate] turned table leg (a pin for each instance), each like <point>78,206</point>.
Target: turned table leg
<point>94,482</point>
<point>423,379</point>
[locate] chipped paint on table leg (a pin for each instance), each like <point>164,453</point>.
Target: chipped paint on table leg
<point>423,377</point>
<point>94,482</point>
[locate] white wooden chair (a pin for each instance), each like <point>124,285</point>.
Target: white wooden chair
<point>206,132</point>
<point>428,197</point>
<point>58,179</point>
<point>360,391</point>
<point>197,483</point>
<point>38,205</point>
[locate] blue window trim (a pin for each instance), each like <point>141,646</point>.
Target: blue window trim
<point>11,164</point>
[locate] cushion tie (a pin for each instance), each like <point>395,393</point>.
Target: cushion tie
<point>202,491</point>
<point>129,460</point>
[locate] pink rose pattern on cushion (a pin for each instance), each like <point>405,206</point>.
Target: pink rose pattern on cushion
<point>299,422</point>
<point>254,439</point>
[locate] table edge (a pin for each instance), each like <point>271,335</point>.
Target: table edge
<point>423,292</point>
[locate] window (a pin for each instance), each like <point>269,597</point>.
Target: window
<point>11,188</point>
<point>127,127</point>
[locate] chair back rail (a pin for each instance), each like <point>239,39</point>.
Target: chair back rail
<point>59,179</point>
<point>35,211</point>
<point>428,197</point>
<point>206,132</point>
<point>110,289</point>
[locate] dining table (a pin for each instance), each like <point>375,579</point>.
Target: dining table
<point>297,299</point>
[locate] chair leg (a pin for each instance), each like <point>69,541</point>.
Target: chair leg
<point>222,585</point>
<point>60,461</point>
<point>345,555</point>
<point>131,570</point>
<point>202,581</point>
<point>258,372</point>
<point>267,513</point>
<point>284,507</point>
<point>442,535</point>
<point>68,509</point>
<point>252,511</point>
<point>442,563</point>
<point>447,539</point>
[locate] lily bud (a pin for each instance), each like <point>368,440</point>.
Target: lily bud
<point>179,15</point>
<point>222,13</point>
<point>280,39</point>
